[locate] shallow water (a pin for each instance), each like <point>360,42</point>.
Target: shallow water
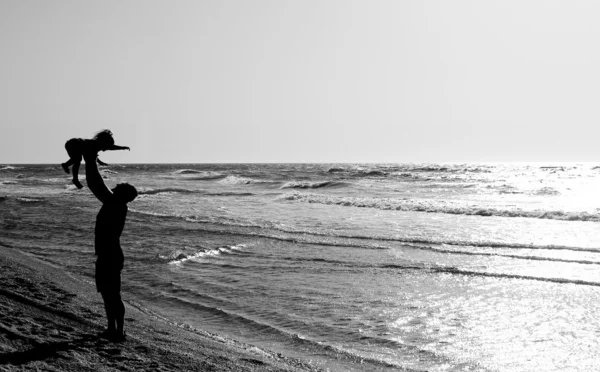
<point>451,267</point>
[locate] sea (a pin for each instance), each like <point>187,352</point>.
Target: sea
<point>347,267</point>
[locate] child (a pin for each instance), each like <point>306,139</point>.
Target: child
<point>75,147</point>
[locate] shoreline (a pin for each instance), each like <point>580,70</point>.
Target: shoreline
<point>50,319</point>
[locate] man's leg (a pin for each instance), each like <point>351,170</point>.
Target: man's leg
<point>115,313</point>
<point>119,314</point>
<point>110,313</point>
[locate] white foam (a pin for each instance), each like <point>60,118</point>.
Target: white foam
<point>178,257</point>
<point>236,180</point>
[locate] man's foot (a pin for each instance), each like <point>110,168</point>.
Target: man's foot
<point>78,184</point>
<point>107,334</point>
<point>113,336</point>
<point>65,167</point>
<point>116,337</point>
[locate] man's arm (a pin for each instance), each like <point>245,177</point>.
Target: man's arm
<point>115,147</point>
<point>94,179</point>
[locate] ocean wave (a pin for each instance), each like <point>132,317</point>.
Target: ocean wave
<point>180,256</point>
<point>192,174</point>
<point>187,171</point>
<point>546,191</point>
<point>371,173</point>
<point>454,168</point>
<point>370,241</point>
<point>9,167</point>
<point>504,189</point>
<point>153,214</point>
<point>514,256</point>
<point>226,193</point>
<point>310,185</point>
<point>237,180</point>
<point>30,200</point>
<point>150,191</point>
<point>457,271</point>
<point>554,168</point>
<point>411,205</point>
<point>317,347</point>
<point>35,181</point>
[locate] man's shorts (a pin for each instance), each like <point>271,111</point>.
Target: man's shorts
<point>108,273</point>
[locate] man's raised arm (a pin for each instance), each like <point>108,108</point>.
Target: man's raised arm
<point>94,179</point>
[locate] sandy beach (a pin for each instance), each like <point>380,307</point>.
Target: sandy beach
<point>49,321</point>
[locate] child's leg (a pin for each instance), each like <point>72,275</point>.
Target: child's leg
<point>73,147</point>
<point>67,164</point>
<point>76,176</point>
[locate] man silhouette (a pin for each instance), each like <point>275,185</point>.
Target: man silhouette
<point>109,226</point>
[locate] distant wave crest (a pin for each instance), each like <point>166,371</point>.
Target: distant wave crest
<point>187,171</point>
<point>237,180</point>
<point>546,191</point>
<point>151,191</point>
<point>192,174</point>
<point>310,185</point>
<point>30,200</point>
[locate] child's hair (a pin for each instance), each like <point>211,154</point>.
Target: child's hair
<point>105,136</point>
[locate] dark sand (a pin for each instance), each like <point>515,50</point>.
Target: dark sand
<point>49,321</point>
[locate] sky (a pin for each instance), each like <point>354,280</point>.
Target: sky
<point>324,81</point>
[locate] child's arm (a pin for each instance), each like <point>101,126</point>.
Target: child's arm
<point>115,147</point>
<point>101,162</point>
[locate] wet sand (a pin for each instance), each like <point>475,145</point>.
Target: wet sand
<point>49,321</point>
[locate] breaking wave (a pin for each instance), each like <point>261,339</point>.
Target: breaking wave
<point>237,180</point>
<point>180,256</point>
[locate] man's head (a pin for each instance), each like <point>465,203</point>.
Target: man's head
<point>125,192</point>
